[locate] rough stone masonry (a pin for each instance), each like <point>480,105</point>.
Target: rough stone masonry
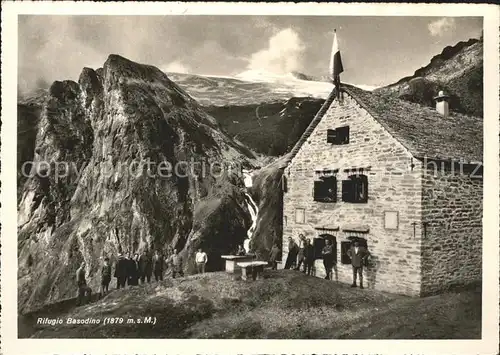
<point>404,260</point>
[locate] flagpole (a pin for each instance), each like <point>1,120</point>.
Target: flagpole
<point>336,64</point>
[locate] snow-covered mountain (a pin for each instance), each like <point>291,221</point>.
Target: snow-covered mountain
<point>252,87</point>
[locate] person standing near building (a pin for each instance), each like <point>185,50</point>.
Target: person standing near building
<point>84,292</point>
<point>308,257</point>
<point>201,259</point>
<point>105,276</point>
<point>133,270</point>
<point>121,269</point>
<point>300,253</point>
<point>291,259</point>
<point>176,262</point>
<point>158,266</point>
<point>273,258</point>
<point>328,258</point>
<point>358,255</point>
<point>145,267</point>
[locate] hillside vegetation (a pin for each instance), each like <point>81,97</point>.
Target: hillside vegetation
<point>285,305</point>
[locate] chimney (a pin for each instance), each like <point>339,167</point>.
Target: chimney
<point>442,105</point>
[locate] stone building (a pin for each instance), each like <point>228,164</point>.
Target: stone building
<point>404,179</point>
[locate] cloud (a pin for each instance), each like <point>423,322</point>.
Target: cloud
<point>176,67</point>
<point>441,26</point>
<point>283,54</point>
<point>46,56</point>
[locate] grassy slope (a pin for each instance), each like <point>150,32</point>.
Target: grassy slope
<point>287,304</point>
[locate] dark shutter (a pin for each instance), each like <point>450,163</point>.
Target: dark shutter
<point>284,185</point>
<point>343,135</point>
<point>317,193</point>
<point>344,256</point>
<point>347,190</point>
<point>318,244</point>
<point>331,136</point>
<point>363,179</point>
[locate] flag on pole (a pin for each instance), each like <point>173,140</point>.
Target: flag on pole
<point>336,64</point>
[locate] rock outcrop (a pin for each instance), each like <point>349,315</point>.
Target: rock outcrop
<point>123,161</point>
<point>458,70</point>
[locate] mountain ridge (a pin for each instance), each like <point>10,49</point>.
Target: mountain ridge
<point>457,70</point>
<point>112,119</point>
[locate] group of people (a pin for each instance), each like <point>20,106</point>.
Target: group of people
<point>303,254</point>
<point>130,269</point>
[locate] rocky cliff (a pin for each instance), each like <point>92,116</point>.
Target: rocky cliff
<point>123,160</point>
<point>458,70</point>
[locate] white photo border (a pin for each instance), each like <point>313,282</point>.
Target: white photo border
<point>490,323</point>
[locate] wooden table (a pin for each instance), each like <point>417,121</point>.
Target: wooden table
<point>232,260</point>
<point>254,269</point>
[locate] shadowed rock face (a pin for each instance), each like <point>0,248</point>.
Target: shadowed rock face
<point>90,197</point>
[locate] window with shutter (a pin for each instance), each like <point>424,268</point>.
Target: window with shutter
<point>347,192</point>
<point>342,135</point>
<point>338,136</point>
<point>331,136</point>
<point>355,189</point>
<point>325,189</point>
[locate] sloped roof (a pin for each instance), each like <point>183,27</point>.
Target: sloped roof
<point>422,130</point>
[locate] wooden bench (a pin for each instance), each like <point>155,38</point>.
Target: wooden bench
<point>232,260</point>
<point>253,268</point>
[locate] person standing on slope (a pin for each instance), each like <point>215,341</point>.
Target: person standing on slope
<point>300,253</point>
<point>201,259</point>
<point>105,276</point>
<point>176,262</point>
<point>145,267</point>
<point>291,259</point>
<point>158,266</point>
<point>358,255</point>
<point>121,269</point>
<point>328,258</point>
<point>84,292</point>
<point>273,258</point>
<point>308,257</point>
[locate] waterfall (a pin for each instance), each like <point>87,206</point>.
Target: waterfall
<point>252,208</point>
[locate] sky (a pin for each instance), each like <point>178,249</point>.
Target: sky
<point>375,51</point>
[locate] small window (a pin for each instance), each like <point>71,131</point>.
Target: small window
<point>355,189</point>
<point>338,136</point>
<point>325,189</point>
